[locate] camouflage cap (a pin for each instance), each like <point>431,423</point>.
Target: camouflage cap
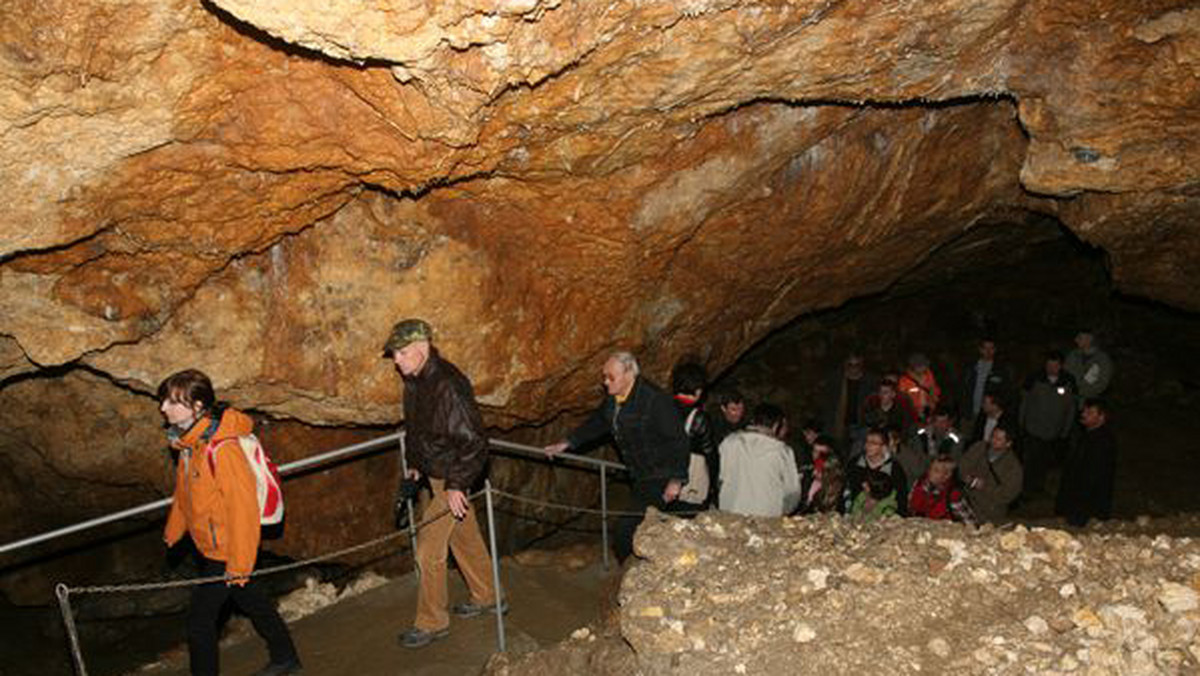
<point>405,332</point>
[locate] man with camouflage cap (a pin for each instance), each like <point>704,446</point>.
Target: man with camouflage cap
<point>447,449</point>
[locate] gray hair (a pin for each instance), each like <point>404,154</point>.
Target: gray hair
<point>626,360</point>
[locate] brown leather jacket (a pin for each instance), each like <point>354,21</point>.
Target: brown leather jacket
<point>445,431</point>
<point>218,509</point>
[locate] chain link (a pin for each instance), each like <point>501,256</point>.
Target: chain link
<point>190,582</point>
<point>586,510</point>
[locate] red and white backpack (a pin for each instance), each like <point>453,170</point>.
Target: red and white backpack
<point>266,475</point>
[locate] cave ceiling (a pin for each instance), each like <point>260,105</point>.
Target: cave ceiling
<point>260,188</point>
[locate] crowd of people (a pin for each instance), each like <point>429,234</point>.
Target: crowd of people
<point>890,445</point>
<point>897,443</point>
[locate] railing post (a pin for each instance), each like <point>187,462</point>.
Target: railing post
<point>412,516</point>
<point>64,605</point>
<point>491,517</point>
<point>604,514</point>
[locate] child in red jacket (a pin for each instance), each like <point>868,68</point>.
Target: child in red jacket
<point>937,495</point>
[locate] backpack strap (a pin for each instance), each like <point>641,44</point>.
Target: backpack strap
<point>995,475</point>
<point>210,452</point>
<point>214,422</point>
<point>687,425</point>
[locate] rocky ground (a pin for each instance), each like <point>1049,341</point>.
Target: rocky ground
<point>727,595</point>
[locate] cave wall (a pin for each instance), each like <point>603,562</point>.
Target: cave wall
<point>580,169</point>
<point>261,189</point>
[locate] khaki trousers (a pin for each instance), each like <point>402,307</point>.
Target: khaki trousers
<point>434,543</point>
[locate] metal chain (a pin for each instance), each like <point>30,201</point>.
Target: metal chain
<point>148,586</point>
<point>63,592</point>
<point>588,510</point>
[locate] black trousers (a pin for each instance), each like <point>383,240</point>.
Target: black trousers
<point>1037,455</point>
<point>645,493</point>
<point>204,617</point>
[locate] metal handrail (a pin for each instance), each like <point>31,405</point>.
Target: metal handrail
<point>292,468</point>
<point>537,451</point>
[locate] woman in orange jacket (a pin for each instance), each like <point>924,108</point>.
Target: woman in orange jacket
<point>216,503</point>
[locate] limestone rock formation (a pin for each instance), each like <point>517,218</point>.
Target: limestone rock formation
<point>546,179</point>
<point>262,188</point>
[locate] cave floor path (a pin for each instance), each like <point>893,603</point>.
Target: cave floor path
<point>358,635</point>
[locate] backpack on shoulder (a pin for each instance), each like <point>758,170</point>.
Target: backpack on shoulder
<point>266,474</point>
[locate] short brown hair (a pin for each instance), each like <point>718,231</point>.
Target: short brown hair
<point>943,459</point>
<point>188,387</point>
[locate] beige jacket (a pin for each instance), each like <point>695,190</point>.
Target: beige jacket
<point>990,486</point>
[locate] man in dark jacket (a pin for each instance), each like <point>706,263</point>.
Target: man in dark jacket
<point>648,429</point>
<point>1087,483</point>
<point>731,414</point>
<point>849,387</point>
<point>886,409</point>
<point>983,376</point>
<point>992,414</point>
<point>940,437</point>
<point>446,446</point>
<point>1047,413</point>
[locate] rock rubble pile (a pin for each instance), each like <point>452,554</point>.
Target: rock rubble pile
<point>723,594</point>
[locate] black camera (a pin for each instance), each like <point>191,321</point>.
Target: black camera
<point>406,492</point>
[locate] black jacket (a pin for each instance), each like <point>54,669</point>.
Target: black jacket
<point>1088,476</point>
<point>647,428</point>
<point>999,382</point>
<point>1006,420</point>
<point>445,431</point>
<point>700,442</point>
<point>700,436</point>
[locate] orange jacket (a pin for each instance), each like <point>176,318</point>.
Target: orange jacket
<point>922,391</point>
<point>218,509</point>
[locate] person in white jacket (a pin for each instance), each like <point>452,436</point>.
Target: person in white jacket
<point>759,476</point>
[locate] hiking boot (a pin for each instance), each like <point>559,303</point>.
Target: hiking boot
<point>471,609</point>
<point>292,666</point>
<point>419,638</point>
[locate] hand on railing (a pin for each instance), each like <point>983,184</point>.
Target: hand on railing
<point>556,448</point>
